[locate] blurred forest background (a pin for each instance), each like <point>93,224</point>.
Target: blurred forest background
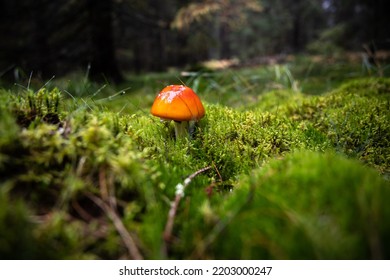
<point>110,38</point>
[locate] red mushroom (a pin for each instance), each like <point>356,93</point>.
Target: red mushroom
<point>180,104</point>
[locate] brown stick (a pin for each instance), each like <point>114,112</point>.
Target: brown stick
<point>119,226</point>
<point>108,204</point>
<point>216,169</point>
<point>171,218</point>
<point>167,235</point>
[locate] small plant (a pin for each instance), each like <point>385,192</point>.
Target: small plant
<point>42,104</point>
<point>284,77</point>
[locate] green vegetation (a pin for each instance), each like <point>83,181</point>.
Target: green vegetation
<point>295,173</point>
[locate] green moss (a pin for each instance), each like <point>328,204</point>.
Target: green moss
<point>260,199</point>
<point>306,206</point>
<point>355,118</point>
<point>57,167</point>
<point>17,240</point>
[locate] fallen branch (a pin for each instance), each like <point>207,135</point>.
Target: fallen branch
<point>180,188</point>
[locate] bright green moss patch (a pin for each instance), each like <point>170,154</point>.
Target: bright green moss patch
<point>307,205</point>
<point>72,171</point>
<point>355,118</point>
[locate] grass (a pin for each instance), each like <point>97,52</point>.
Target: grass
<point>298,160</point>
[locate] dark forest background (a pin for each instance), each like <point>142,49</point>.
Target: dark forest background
<point>111,37</point>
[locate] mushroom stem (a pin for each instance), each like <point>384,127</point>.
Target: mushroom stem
<point>181,129</point>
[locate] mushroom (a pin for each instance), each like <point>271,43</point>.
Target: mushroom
<point>180,104</point>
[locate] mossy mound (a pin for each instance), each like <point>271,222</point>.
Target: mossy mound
<point>308,205</point>
<point>71,170</point>
<point>354,118</point>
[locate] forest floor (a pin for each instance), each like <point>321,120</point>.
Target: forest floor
<point>291,161</point>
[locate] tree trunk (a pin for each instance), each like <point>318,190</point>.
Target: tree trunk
<point>296,40</point>
<point>102,53</point>
<point>215,48</point>
<point>41,62</point>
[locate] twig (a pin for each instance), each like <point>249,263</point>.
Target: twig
<point>192,176</point>
<point>219,174</point>
<point>108,204</point>
<point>125,235</point>
<point>174,205</point>
<point>82,213</point>
<point>171,218</point>
<point>107,191</point>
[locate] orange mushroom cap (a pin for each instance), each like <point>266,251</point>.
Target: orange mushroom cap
<point>179,103</point>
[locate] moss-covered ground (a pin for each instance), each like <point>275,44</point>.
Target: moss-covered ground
<point>298,168</point>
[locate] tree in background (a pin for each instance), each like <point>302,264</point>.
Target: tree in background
<point>220,18</point>
<point>49,38</point>
<point>145,39</point>
<point>366,22</point>
<point>283,27</point>
<point>101,37</point>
